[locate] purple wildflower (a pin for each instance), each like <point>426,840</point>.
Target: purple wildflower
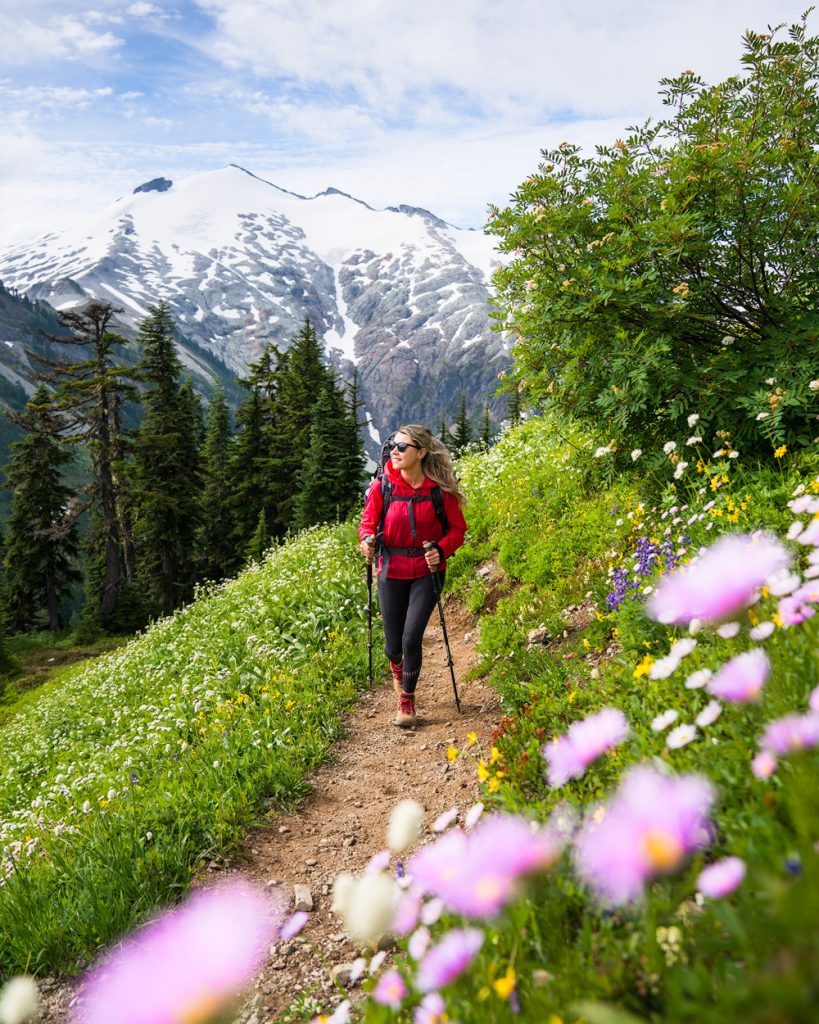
<point>648,829</point>
<point>721,878</point>
<point>791,734</point>
<point>447,960</point>
<point>764,764</point>
<point>390,990</point>
<point>724,580</point>
<point>569,756</point>
<point>799,606</point>
<point>431,1009</point>
<point>293,925</point>
<point>187,964</point>
<point>741,679</point>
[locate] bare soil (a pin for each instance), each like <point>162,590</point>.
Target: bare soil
<point>343,823</point>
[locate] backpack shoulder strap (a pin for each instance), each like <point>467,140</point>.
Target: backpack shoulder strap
<point>386,498</point>
<point>438,502</point>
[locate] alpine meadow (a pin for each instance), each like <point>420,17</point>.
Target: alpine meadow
<point>640,580</point>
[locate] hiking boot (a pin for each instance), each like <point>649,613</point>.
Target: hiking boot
<point>406,711</point>
<point>397,677</point>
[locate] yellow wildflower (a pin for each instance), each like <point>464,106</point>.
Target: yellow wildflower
<point>505,986</point>
<point>494,755</point>
<point>778,620</point>
<point>472,738</point>
<point>644,667</point>
<point>483,771</point>
<point>452,754</point>
<point>493,785</point>
<point>780,451</point>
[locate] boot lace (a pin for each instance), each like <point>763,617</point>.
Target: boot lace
<point>406,704</point>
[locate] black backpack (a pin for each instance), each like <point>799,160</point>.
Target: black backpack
<point>435,496</point>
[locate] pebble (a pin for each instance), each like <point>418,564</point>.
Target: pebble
<point>283,829</point>
<point>302,898</point>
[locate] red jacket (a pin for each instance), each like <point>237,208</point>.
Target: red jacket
<point>397,528</point>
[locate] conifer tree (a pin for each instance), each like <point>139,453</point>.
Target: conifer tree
<point>333,467</point>
<point>259,542</point>
<point>514,409</point>
<point>486,428</point>
<point>165,472</point>
<point>446,436</point>
<point>214,546</point>
<point>463,428</point>
<point>41,536</point>
<point>88,395</point>
<point>247,465</point>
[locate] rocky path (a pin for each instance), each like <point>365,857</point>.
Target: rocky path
<point>343,823</point>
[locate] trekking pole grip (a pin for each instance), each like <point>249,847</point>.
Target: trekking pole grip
<point>370,539</point>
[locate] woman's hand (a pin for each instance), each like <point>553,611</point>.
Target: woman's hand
<point>367,549</point>
<point>433,558</point>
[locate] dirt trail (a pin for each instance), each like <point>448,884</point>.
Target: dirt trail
<point>343,823</point>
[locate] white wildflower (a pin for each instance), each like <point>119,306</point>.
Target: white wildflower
<point>669,447</point>
<point>405,824</point>
<point>369,907</point>
<point>664,720</point>
<point>635,455</point>
<point>681,736</point>
<point>698,679</point>
<point>693,418</point>
<point>680,469</point>
<point>19,1000</point>
<point>728,631</point>
<point>709,714</point>
<point>694,439</point>
<point>762,631</point>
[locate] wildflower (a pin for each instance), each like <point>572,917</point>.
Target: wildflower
<point>369,906</point>
<point>569,756</point>
<point>693,418</point>
<point>406,913</point>
<point>680,469</point>
<point>405,824</point>
<point>694,439</point>
<point>663,721</point>
<point>431,1010</point>
<point>443,821</point>
<point>447,960</point>
<point>709,714</point>
<point>431,911</point>
<point>814,385</point>
<point>728,630</point>
<point>798,607</point>
<point>813,700</point>
<point>741,679</point>
<point>473,815</point>
<point>452,754</point>
<point>418,943</point>
<point>341,1014</point>
<point>293,925</point>
<point>764,764</point>
<point>19,1000</point>
<point>649,828</point>
<point>644,668</point>
<point>505,985</point>
<point>600,452</point>
<point>377,961</point>
<point>669,447</point>
<point>636,453</point>
<point>721,878</point>
<point>378,862</point>
<point>723,580</point>
<point>390,990</point>
<point>476,875</point>
<point>681,737</point>
<point>780,451</point>
<point>791,734</point>
<point>187,965</point>
<point>762,416</point>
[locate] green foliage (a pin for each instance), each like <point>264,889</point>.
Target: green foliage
<point>151,761</point>
<point>41,536</point>
<point>213,541</point>
<point>675,271</point>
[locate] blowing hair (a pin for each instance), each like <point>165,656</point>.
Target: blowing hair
<point>437,462</point>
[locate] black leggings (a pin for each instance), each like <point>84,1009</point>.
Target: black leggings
<point>406,606</point>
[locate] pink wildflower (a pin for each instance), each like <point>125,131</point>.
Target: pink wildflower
<point>569,756</point>
<point>721,878</point>
<point>764,764</point>
<point>293,925</point>
<point>741,679</point>
<point>431,1010</point>
<point>813,700</point>
<point>406,914</point>
<point>447,960</point>
<point>648,829</point>
<point>791,734</point>
<point>443,821</point>
<point>721,582</point>
<point>478,874</point>
<point>390,990</point>
<point>187,964</point>
<point>799,606</point>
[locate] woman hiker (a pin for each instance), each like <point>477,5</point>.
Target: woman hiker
<point>424,504</point>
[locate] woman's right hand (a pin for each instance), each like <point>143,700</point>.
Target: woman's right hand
<point>367,550</point>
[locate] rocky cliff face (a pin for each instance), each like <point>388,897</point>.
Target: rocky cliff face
<point>398,293</point>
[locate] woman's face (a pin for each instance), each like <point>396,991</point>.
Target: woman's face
<point>410,457</point>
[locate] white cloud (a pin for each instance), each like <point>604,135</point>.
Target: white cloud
<point>143,10</point>
<point>52,98</point>
<point>24,41</point>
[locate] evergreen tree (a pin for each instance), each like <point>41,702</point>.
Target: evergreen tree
<point>247,475</point>
<point>445,435</point>
<point>301,383</point>
<point>463,428</point>
<point>514,408</point>
<point>41,536</point>
<point>88,395</point>
<point>333,467</point>
<point>486,428</point>
<point>259,542</point>
<point>165,471</point>
<point>214,546</point>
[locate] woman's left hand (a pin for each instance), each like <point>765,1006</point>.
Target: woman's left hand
<point>433,558</point>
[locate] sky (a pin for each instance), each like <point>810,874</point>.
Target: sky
<point>443,104</point>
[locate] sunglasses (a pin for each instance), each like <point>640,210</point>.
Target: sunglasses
<point>402,445</point>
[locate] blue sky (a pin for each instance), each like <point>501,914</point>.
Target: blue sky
<point>444,105</point>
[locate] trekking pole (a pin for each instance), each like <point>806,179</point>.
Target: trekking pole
<point>436,586</point>
<point>370,540</point>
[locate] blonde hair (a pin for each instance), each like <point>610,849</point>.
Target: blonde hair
<point>437,463</point>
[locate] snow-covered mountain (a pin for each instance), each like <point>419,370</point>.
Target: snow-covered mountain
<point>398,292</point>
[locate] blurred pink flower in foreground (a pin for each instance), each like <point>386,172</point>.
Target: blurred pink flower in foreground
<point>648,829</point>
<point>447,960</point>
<point>569,756</point>
<point>799,606</point>
<point>186,966</point>
<point>431,1009</point>
<point>791,734</point>
<point>741,679</point>
<point>477,874</point>
<point>721,878</point>
<point>764,764</point>
<point>722,581</point>
<point>390,990</point>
